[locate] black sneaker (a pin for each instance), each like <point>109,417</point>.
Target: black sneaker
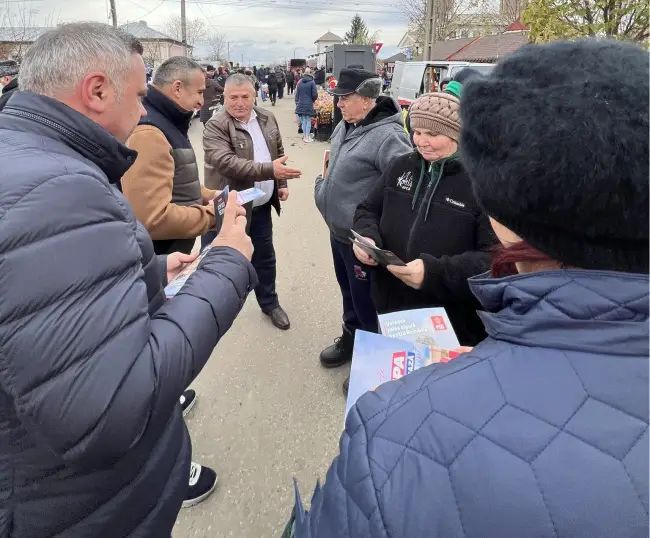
<point>188,400</point>
<point>203,480</point>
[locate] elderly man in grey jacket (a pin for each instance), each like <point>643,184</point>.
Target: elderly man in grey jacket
<point>363,146</point>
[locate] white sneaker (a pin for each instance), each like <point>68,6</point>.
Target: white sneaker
<point>307,140</point>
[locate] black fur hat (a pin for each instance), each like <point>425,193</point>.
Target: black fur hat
<point>555,141</point>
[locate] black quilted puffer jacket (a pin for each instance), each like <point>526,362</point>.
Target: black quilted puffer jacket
<point>92,363</point>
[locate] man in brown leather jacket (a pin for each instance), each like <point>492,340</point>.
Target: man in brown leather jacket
<point>243,149</point>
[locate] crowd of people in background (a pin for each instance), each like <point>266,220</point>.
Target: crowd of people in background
<point>518,200</point>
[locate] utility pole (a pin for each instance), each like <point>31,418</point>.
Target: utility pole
<point>113,14</point>
<point>228,43</point>
<point>183,27</point>
<point>430,35</point>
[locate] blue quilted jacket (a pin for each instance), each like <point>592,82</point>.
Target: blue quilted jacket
<point>92,361</point>
<point>540,432</point>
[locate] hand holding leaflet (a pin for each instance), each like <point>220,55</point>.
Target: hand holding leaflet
<point>382,257</point>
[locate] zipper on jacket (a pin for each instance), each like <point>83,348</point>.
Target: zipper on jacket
<point>87,144</point>
<point>409,243</point>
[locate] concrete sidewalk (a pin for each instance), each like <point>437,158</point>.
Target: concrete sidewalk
<point>267,411</point>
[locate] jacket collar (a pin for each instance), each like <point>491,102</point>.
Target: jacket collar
<point>50,118</point>
<point>180,117</point>
<point>11,86</point>
<point>592,311</point>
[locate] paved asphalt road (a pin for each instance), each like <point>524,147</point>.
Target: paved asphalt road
<point>267,411</point>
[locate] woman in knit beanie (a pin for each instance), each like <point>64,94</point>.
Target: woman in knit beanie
<point>423,210</point>
<point>542,429</point>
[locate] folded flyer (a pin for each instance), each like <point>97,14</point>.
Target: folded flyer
<point>429,326</point>
<point>378,359</point>
<point>220,201</point>
<point>249,195</point>
<point>382,257</point>
<point>410,340</point>
<point>173,287</point>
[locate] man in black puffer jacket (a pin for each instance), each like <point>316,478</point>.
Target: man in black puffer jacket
<point>92,441</point>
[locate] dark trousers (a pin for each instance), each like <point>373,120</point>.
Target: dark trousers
<point>290,86</point>
<point>280,91</point>
<point>261,233</point>
<point>354,280</point>
<point>273,95</point>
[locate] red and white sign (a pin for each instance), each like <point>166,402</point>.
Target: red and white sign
<point>438,323</point>
<point>376,47</point>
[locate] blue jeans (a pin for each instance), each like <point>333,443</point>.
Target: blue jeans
<point>261,233</point>
<point>305,123</point>
<point>354,280</point>
<point>262,94</point>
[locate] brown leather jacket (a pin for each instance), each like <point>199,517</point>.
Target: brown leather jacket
<point>229,158</point>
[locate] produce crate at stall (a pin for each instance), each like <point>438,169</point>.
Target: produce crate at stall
<point>322,123</point>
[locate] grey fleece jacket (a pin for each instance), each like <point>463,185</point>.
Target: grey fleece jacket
<point>358,157</point>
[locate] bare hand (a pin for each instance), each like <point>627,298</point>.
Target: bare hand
<point>361,255</point>
<point>412,274</point>
<point>283,194</point>
<point>233,228</point>
<point>177,261</point>
<point>280,171</point>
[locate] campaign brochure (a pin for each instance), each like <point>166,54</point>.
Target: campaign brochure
<point>179,280</point>
<point>220,201</point>
<point>378,359</point>
<point>249,195</point>
<point>410,340</point>
<point>429,326</point>
<point>382,257</point>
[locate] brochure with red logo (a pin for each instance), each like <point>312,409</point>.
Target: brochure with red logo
<point>429,326</point>
<point>378,359</point>
<point>410,340</point>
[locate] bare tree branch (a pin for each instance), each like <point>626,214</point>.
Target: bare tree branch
<point>217,45</point>
<point>196,30</point>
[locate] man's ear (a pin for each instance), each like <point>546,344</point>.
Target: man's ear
<point>177,86</point>
<point>95,90</point>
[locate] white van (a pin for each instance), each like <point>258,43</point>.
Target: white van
<point>412,79</point>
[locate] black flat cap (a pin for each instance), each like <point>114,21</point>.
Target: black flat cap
<point>8,68</point>
<point>365,83</point>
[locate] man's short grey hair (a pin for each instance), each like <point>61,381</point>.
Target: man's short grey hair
<point>175,68</point>
<point>239,80</point>
<point>60,58</point>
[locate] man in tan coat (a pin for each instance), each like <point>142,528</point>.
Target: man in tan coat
<point>163,184</point>
<point>243,149</point>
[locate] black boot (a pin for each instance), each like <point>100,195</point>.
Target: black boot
<point>340,352</point>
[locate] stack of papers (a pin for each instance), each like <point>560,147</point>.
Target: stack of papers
<point>410,340</point>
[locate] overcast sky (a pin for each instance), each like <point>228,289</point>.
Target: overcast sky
<point>263,31</point>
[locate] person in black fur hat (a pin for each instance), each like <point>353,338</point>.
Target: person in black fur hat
<point>572,177</point>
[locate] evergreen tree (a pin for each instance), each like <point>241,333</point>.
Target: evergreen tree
<point>358,33</point>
